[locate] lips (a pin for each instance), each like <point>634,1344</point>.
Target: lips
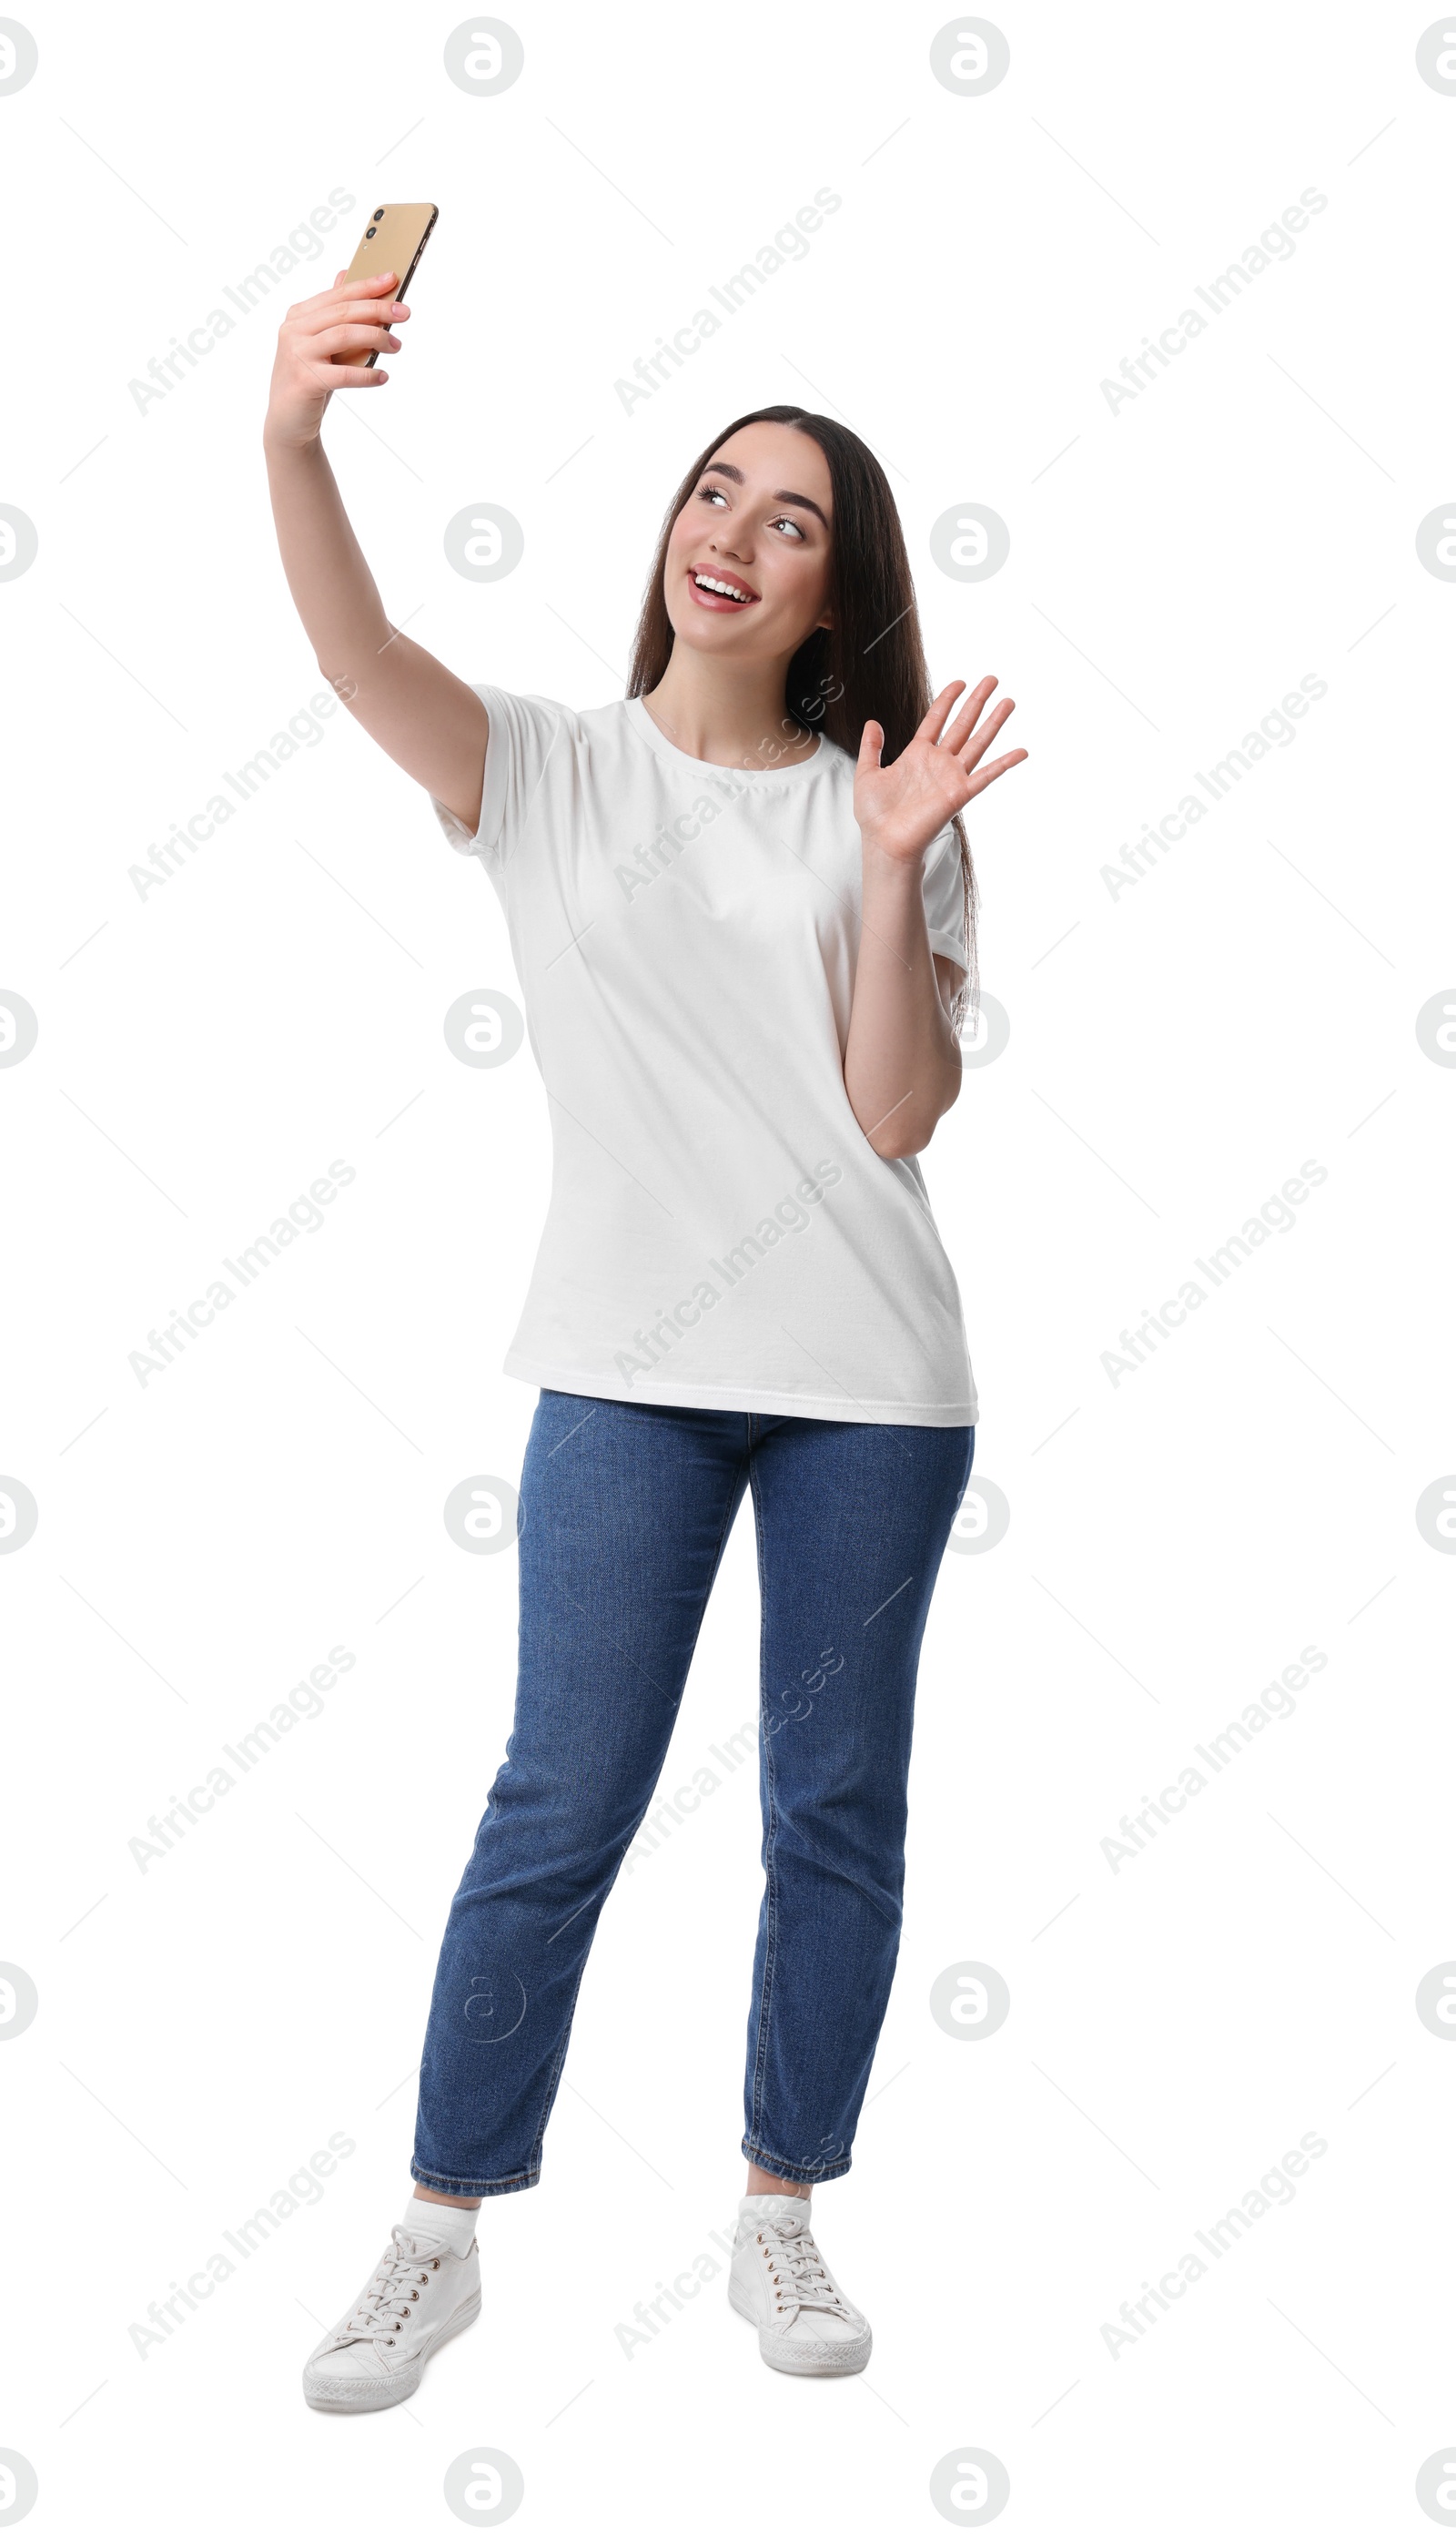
<point>711,589</point>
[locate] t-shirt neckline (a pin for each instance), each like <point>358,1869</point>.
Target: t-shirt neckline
<point>643,723</point>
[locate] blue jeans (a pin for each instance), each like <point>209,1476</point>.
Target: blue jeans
<point>625,1511</point>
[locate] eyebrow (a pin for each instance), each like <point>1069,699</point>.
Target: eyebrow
<point>781,494</point>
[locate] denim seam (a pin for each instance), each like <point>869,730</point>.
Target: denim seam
<point>769,2162</point>
<point>729,1511</point>
<point>560,2064</point>
<point>483,2185</point>
<point>770,1827</point>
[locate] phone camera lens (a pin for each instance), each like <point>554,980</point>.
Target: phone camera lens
<point>369,232</point>
<point>379,214</point>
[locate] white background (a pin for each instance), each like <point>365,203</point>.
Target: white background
<point>1175,1054</point>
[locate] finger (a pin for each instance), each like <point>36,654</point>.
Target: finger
<point>936,714</point>
<point>969,751</point>
<point>871,744</point>
<point>329,312</point>
<point>368,290</point>
<point>970,710</point>
<point>997,769</point>
<point>371,287</point>
<point>353,340</point>
<point>335,375</point>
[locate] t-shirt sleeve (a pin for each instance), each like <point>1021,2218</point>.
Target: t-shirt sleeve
<point>945,898</point>
<point>524,731</point>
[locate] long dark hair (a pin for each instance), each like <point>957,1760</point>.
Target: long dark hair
<point>872,661</point>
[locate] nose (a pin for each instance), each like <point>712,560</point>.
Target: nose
<point>742,549</point>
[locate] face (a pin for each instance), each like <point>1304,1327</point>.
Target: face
<point>757,523</point>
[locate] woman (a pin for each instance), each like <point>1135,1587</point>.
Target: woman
<point>742,910</point>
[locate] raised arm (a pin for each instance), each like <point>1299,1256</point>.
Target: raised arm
<point>419,712</point>
<point>902,1060</point>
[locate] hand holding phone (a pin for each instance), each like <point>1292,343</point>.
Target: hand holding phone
<point>393,243</point>
<point>334,340</point>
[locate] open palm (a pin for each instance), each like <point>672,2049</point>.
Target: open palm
<point>900,809</point>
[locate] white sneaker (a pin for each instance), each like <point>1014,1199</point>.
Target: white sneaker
<point>781,2283</point>
<point>420,2293</point>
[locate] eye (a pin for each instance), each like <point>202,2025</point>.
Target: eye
<point>786,523</point>
<point>707,494</point>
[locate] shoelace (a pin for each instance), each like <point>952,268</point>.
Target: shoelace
<point>381,2311</point>
<point>800,2272</point>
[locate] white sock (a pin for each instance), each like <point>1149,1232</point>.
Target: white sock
<point>442,2219</point>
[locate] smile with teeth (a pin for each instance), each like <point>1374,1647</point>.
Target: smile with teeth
<point>726,591</point>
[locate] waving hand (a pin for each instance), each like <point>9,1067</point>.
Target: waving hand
<point>901,809</point>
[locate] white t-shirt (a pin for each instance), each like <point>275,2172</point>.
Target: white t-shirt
<point>720,1231</point>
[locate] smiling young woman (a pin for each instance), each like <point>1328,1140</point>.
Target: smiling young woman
<point>743,911</point>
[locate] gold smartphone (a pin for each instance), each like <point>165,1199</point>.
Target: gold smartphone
<point>393,243</point>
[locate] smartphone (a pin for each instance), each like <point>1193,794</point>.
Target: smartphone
<point>393,243</point>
